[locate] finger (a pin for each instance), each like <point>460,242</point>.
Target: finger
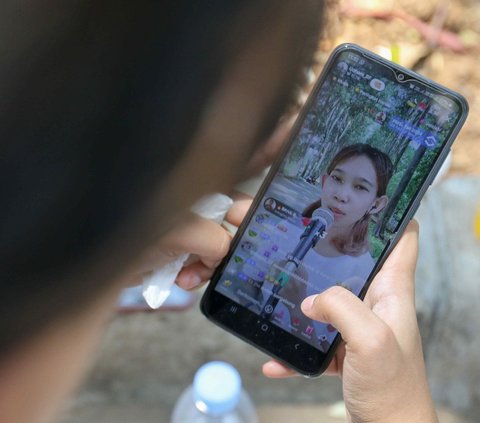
<point>348,314</point>
<point>403,258</point>
<point>238,210</point>
<point>275,370</point>
<point>198,236</point>
<point>392,293</point>
<point>397,276</point>
<point>193,276</point>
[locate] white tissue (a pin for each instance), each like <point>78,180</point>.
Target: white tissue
<point>156,287</point>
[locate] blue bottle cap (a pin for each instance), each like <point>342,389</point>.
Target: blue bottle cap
<point>216,388</point>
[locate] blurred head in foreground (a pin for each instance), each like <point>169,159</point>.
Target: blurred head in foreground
<point>112,114</point>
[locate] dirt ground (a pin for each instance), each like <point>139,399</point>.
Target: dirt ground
<point>438,39</point>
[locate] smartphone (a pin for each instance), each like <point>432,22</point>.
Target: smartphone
<point>365,148</point>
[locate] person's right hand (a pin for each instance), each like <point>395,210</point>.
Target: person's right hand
<point>380,360</point>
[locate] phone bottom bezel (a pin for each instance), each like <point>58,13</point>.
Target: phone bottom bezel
<point>276,342</point>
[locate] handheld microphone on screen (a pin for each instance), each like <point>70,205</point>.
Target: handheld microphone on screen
<point>322,219</point>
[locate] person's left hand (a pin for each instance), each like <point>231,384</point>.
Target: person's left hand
<point>206,241</point>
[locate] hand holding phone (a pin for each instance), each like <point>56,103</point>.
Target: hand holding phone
<point>380,358</point>
<point>364,150</point>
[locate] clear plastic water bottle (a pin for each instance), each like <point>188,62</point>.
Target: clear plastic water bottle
<point>216,396</point>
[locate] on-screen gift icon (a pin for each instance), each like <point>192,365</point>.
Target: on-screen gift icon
<point>309,330</point>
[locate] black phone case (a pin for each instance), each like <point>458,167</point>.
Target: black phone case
<point>322,363</point>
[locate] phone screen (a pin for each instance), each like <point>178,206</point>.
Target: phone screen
<point>360,156</point>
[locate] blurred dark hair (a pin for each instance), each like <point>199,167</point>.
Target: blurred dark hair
<point>357,242</point>
<point>99,99</point>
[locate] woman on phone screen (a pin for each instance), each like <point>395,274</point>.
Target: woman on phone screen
<point>353,190</point>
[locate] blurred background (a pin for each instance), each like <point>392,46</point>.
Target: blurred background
<point>147,359</point>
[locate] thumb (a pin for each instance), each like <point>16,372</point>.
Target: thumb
<point>348,314</point>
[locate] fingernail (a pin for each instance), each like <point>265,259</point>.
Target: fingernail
<point>195,280</point>
<point>189,281</point>
<point>307,303</point>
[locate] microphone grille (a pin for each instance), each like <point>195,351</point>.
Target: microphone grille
<point>324,214</point>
